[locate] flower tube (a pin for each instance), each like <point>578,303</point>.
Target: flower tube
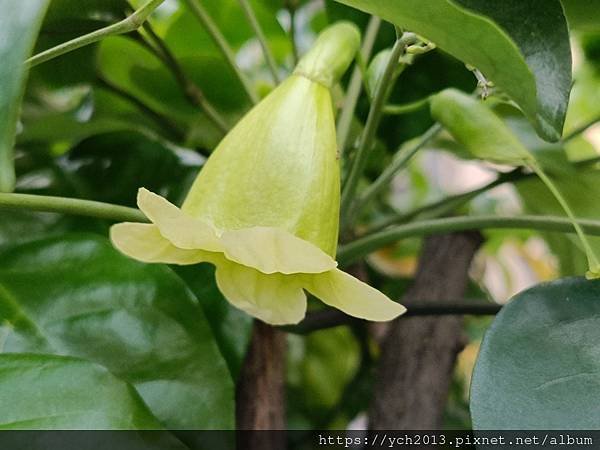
<point>265,207</point>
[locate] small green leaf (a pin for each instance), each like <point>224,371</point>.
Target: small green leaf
<point>539,364</point>
<point>19,25</point>
<point>529,59</point>
<point>57,392</point>
<point>75,295</point>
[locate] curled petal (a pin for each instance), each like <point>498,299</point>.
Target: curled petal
<point>346,293</point>
<point>182,230</point>
<point>276,299</point>
<point>145,243</point>
<point>273,250</point>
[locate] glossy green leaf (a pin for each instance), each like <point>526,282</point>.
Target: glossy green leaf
<point>539,364</point>
<point>133,68</point>
<point>185,35</point>
<point>232,327</point>
<point>529,59</point>
<point>75,295</point>
<point>19,24</point>
<point>58,392</point>
<point>107,173</point>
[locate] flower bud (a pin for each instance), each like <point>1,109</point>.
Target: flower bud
<point>265,207</point>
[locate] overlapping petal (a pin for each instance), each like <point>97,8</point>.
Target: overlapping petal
<point>182,230</point>
<point>144,242</point>
<point>261,270</point>
<point>358,299</point>
<point>276,299</point>
<point>273,250</point>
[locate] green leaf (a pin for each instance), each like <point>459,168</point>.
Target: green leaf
<point>66,20</point>
<point>539,365</point>
<point>529,59</point>
<point>19,26</point>
<point>107,173</point>
<point>133,68</point>
<point>75,295</point>
<point>58,392</point>
<point>583,14</point>
<point>232,327</point>
<point>185,35</point>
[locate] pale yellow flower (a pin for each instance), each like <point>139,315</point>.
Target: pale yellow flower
<point>265,207</point>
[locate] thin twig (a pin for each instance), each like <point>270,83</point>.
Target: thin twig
<point>406,107</point>
<point>130,23</point>
<point>448,204</point>
<point>369,243</point>
<point>78,207</point>
<point>577,131</point>
<point>190,89</point>
<point>291,6</point>
<point>355,86</point>
<point>164,122</point>
<point>402,158</point>
<point>213,31</point>
<point>330,318</point>
<point>368,136</point>
<point>260,35</point>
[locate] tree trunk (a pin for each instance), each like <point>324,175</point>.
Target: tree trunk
<point>419,353</point>
<point>260,402</point>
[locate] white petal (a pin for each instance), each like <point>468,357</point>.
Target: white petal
<point>358,299</point>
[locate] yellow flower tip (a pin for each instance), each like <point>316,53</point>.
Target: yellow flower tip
<point>145,243</point>
<point>592,274</point>
<point>273,250</point>
<point>269,250</point>
<point>350,295</point>
<point>275,299</point>
<point>180,229</point>
<point>331,55</point>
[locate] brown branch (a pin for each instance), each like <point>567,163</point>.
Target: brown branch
<point>260,399</point>
<point>331,318</point>
<point>419,353</point>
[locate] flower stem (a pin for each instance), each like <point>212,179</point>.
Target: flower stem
<point>130,23</point>
<point>291,6</point>
<point>213,30</point>
<point>406,107</point>
<point>577,131</point>
<point>594,264</point>
<point>73,206</point>
<point>190,89</point>
<point>446,205</point>
<point>369,243</point>
<point>403,157</point>
<point>368,137</point>
<point>260,35</point>
<point>355,86</point>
